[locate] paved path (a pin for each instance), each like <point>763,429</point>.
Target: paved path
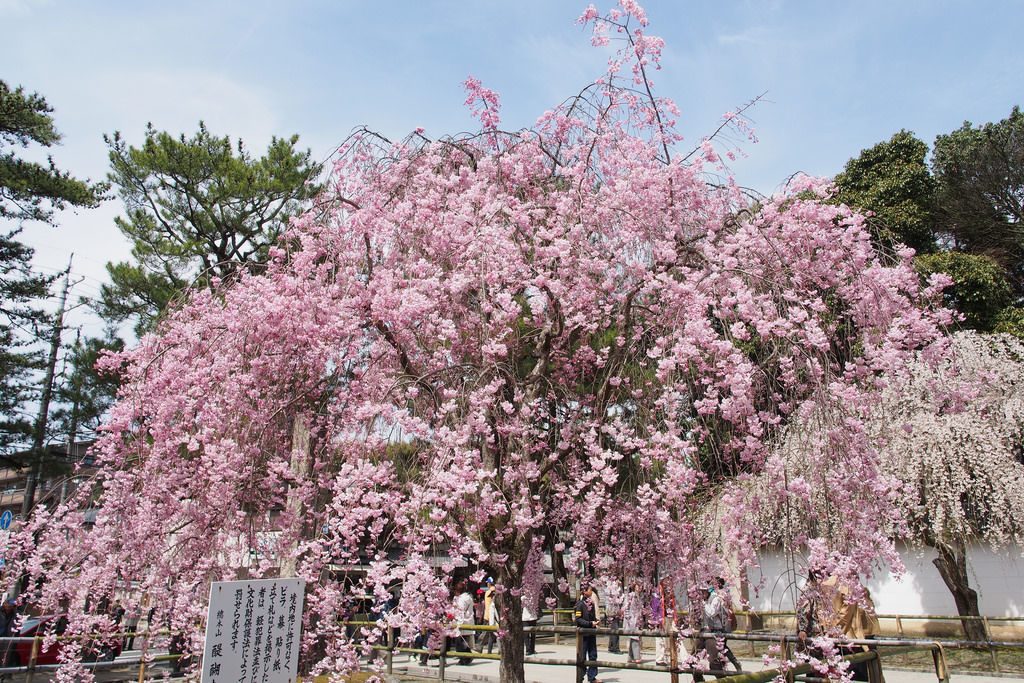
<point>486,671</point>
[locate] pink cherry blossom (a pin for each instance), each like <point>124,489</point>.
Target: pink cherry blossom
<point>476,345</point>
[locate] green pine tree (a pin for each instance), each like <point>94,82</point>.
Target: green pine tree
<point>29,191</point>
<point>196,209</point>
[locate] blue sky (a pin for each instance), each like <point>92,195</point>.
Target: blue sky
<point>839,76</point>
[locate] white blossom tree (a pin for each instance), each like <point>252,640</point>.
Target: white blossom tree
<point>948,433</point>
<point>952,434</point>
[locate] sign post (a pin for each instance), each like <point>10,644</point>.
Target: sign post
<point>252,631</point>
<point>5,525</point>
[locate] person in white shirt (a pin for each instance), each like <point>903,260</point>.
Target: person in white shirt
<point>633,618</point>
<point>714,621</point>
<point>463,608</point>
<point>531,609</point>
<point>613,611</point>
<point>729,621</point>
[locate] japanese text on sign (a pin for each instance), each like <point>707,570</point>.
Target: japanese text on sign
<point>252,631</point>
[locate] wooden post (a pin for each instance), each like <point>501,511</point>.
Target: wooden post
<point>440,657</point>
<point>787,654</point>
<point>939,657</point>
<point>899,626</point>
<point>390,642</point>
<point>145,649</point>
<point>875,669</point>
<point>33,656</point>
<point>554,622</point>
<point>581,671</point>
<point>991,649</point>
<point>673,656</point>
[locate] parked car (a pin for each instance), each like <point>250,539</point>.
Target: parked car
<point>105,650</point>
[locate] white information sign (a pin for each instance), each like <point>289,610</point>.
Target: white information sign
<point>252,631</point>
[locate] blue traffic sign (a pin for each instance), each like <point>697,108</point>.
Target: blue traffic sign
<point>5,520</point>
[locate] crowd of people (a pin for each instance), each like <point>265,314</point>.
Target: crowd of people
<point>700,632</point>
<point>605,604</point>
<point>479,608</point>
<point>712,613</point>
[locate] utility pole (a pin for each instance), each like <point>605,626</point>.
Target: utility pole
<point>39,433</point>
<point>73,431</point>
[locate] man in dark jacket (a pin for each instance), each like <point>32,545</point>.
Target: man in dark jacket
<point>586,617</point>
<point>8,618</point>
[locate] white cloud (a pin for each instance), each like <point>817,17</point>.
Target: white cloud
<point>176,99</point>
<point>755,35</point>
<point>20,7</point>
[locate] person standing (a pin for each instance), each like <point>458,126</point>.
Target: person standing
<point>131,626</point>
<point>663,617</point>
<point>714,625</point>
<point>478,606</point>
<point>8,618</point>
<point>463,608</point>
<point>633,619</point>
<point>380,610</point>
<point>490,615</point>
<point>531,615</point>
<point>855,618</point>
<point>421,642</point>
<point>613,613</point>
<point>117,613</point>
<point>729,621</point>
<point>492,620</point>
<point>585,616</point>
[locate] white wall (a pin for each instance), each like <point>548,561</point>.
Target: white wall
<point>997,576</point>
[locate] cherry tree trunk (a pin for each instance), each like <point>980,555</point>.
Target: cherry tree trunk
<point>300,467</point>
<point>952,566</point>
<point>511,668</point>
<point>558,573</point>
<point>512,648</point>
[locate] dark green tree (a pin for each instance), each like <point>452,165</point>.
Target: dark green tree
<point>892,180</point>
<point>20,326</point>
<point>85,393</point>
<point>196,209</point>
<point>980,197</point>
<point>29,191</point>
<point>980,289</point>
